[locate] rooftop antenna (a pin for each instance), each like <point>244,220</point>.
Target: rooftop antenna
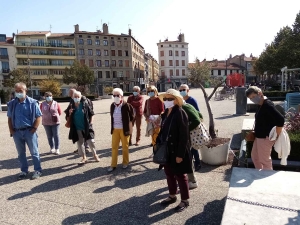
<point>50,27</point>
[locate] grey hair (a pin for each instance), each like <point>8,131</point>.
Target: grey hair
<point>253,89</point>
<point>21,84</point>
<point>136,88</point>
<point>118,90</point>
<point>48,93</point>
<point>185,86</point>
<point>77,93</point>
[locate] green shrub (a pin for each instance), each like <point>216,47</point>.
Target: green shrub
<point>277,93</point>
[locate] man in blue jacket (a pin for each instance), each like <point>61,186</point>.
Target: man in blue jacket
<point>24,117</point>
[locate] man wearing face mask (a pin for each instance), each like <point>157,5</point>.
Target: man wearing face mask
<point>184,92</point>
<point>121,114</point>
<point>266,118</point>
<point>136,100</point>
<point>24,117</point>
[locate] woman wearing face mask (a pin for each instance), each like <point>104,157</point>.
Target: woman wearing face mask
<point>175,130</point>
<point>121,128</point>
<point>266,118</point>
<point>50,119</point>
<point>152,111</point>
<point>81,128</point>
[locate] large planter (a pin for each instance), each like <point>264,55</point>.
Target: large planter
<point>215,156</point>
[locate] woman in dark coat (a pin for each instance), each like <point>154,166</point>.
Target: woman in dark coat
<point>175,130</point>
<point>81,129</point>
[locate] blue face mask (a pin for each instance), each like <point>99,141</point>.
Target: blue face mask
<point>183,93</point>
<point>49,99</point>
<point>151,94</point>
<point>76,100</point>
<point>19,95</point>
<point>135,93</point>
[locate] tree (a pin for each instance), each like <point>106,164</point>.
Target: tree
<point>52,85</point>
<point>15,76</point>
<point>200,73</point>
<point>79,74</point>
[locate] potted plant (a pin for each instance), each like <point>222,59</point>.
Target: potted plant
<point>216,151</point>
<point>108,92</point>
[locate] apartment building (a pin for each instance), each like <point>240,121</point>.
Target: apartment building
<point>8,60</point>
<point>173,62</point>
<point>45,53</point>
<point>153,70</point>
<point>116,59</point>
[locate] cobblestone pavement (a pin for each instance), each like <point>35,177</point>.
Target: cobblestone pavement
<point>68,194</point>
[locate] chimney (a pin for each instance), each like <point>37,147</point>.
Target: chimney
<point>105,28</point>
<point>129,32</point>
<point>181,38</point>
<point>76,28</point>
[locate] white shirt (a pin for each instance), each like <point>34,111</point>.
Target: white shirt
<point>118,124</point>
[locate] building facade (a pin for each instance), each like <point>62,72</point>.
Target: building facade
<point>116,59</point>
<point>173,63</point>
<point>44,53</point>
<point>153,69</point>
<point>8,60</point>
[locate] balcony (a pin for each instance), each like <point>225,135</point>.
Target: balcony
<point>5,70</point>
<point>44,45</point>
<point>3,56</point>
<point>43,66</point>
<point>45,55</point>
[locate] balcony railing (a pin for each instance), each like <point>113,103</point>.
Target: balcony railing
<point>3,56</point>
<point>46,44</point>
<point>45,53</point>
<point>43,64</point>
<point>5,70</point>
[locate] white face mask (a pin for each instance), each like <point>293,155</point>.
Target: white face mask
<point>169,104</point>
<point>117,100</point>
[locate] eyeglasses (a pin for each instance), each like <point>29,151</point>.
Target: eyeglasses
<point>116,96</point>
<point>182,90</point>
<point>169,99</point>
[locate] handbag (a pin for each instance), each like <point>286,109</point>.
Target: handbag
<point>199,136</point>
<point>160,150</point>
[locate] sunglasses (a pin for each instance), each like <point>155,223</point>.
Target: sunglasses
<point>169,99</point>
<point>182,90</point>
<point>116,95</point>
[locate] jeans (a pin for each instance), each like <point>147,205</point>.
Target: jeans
<point>52,132</point>
<point>31,139</point>
<point>196,156</point>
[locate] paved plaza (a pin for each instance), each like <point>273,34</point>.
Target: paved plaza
<point>69,194</point>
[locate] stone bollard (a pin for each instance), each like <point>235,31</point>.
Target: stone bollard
<point>241,101</point>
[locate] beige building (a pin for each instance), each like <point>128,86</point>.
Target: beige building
<point>153,69</point>
<point>116,59</point>
<point>45,53</point>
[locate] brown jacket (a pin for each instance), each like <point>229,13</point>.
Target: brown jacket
<point>127,117</point>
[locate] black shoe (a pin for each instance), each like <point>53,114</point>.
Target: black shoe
<point>182,207</point>
<point>169,201</point>
<point>151,145</point>
<point>22,175</point>
<point>130,143</point>
<point>197,167</point>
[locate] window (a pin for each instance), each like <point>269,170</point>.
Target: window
<point>106,63</point>
<point>105,42</point>
<point>80,36</point>
<point>126,53</point>
<point>100,74</point>
<point>121,74</point>
<point>70,52</point>
<point>113,53</point>
<point>80,41</point>
<point>89,41</point>
<point>119,52</point>
<point>127,73</point>
<point>126,63</point>
<point>212,72</point>
<point>171,72</point>
<point>237,71</point>
<point>90,52</point>
<point>182,46</point>
<point>183,62</point>
<point>82,61</point>
<point>183,72</point>
<point>97,37</point>
<point>98,52</point>
<point>182,53</point>
<point>170,45</point>
<point>113,63</point>
<point>177,72</point>
<point>119,44</point>
<point>81,52</point>
<point>170,62</point>
<point>219,72</point>
<point>91,63</point>
<point>107,74</point>
<point>89,36</point>
<point>97,42</point>
<point>163,73</point>
<point>162,63</point>
<point>98,63</point>
<point>177,62</point>
<point>125,43</point>
<point>161,46</point>
<point>106,52</point>
<point>176,53</point>
<point>120,63</point>
<point>112,42</point>
<point>114,74</point>
<point>230,71</point>
<point>170,53</point>
<point>162,53</point>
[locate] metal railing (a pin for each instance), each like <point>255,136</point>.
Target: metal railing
<point>45,44</point>
<point>43,64</point>
<point>3,56</point>
<point>45,53</point>
<point>5,70</point>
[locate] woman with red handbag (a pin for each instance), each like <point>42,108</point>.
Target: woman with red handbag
<point>51,111</point>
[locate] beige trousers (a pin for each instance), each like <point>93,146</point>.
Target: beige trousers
<point>261,153</point>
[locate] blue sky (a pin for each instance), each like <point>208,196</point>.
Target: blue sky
<point>213,29</point>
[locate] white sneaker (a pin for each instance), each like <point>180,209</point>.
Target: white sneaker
<point>193,185</point>
<point>110,169</point>
<point>36,175</point>
<point>125,166</point>
<point>57,152</point>
<point>52,151</point>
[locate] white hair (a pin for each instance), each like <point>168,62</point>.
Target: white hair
<point>118,91</point>
<point>22,85</point>
<point>77,93</point>
<point>136,88</point>
<point>185,86</point>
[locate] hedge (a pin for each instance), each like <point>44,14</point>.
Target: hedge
<point>277,93</point>
<point>295,148</point>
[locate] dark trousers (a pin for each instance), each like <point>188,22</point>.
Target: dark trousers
<point>138,122</point>
<point>196,156</point>
<point>172,180</point>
